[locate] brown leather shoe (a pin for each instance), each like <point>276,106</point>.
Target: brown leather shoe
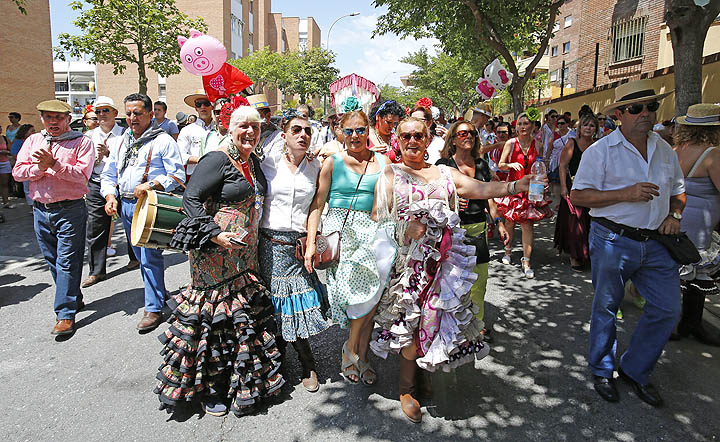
<point>132,265</point>
<point>411,407</point>
<point>150,321</point>
<point>406,383</point>
<point>63,327</point>
<point>311,383</point>
<point>92,280</point>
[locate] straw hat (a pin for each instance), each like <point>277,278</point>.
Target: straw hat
<point>190,99</point>
<point>54,106</point>
<point>703,114</point>
<point>258,101</point>
<point>633,92</point>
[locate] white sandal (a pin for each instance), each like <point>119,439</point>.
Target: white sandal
<point>506,259</point>
<point>527,270</point>
<point>350,366</point>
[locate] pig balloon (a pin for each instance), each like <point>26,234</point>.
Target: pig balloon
<point>204,55</point>
<point>201,54</point>
<point>497,75</point>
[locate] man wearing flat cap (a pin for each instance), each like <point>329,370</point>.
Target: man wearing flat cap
<point>58,163</point>
<point>632,182</point>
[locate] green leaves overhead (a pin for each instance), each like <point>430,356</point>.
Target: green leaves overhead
<point>123,32</point>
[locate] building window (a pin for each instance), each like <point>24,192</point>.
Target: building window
<point>553,75</point>
<point>628,39</point>
<point>556,27</point>
<point>568,21</point>
<point>547,50</point>
<point>566,47</point>
<point>566,73</point>
<point>554,51</point>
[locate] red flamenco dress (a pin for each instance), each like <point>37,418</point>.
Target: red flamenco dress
<point>518,208</point>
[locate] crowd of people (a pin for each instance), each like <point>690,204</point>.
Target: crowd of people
<point>376,222</point>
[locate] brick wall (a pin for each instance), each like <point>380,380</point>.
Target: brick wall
<point>570,34</point>
<point>27,75</point>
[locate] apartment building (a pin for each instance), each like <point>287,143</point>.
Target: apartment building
<point>75,83</point>
<point>242,25</point>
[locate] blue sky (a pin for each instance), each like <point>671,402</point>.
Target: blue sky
<point>376,59</point>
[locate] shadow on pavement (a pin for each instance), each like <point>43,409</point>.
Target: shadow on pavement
<point>127,301</point>
<point>13,293</point>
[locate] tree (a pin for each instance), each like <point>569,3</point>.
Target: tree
<point>268,69</point>
<point>689,24</point>
<point>449,81</point>
<point>465,26</point>
<point>405,96</point>
<point>20,5</point>
<point>122,32</point>
<point>315,73</point>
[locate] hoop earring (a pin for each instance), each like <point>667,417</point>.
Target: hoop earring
<point>426,156</point>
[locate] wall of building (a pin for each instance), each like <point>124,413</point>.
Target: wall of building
<point>665,51</point>
<point>27,74</point>
<point>571,9</point>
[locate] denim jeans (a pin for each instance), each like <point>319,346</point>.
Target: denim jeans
<point>615,260</point>
<point>152,264</point>
<point>60,233</point>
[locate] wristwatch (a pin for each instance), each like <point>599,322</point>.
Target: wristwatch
<point>676,215</point>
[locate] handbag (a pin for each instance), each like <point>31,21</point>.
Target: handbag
<point>680,247</point>
<point>475,235</point>
<point>327,247</point>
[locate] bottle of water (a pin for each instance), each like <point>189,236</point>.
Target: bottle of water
<point>537,182</point>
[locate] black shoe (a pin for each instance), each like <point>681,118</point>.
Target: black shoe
<point>647,392</point>
<point>606,388</point>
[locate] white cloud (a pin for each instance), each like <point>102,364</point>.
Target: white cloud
<point>377,59</point>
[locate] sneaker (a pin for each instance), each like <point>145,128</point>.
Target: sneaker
<point>506,259</point>
<point>111,251</point>
<point>214,408</point>
<point>529,273</point>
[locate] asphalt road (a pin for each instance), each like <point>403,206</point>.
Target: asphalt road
<point>534,386</point>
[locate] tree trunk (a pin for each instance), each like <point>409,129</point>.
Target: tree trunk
<point>688,26</point>
<point>142,76</point>
<point>516,92</point>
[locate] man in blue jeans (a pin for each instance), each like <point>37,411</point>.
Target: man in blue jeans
<point>632,182</point>
<point>58,162</point>
<point>146,158</point>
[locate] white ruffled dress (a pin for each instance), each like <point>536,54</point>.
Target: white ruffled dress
<point>427,296</point>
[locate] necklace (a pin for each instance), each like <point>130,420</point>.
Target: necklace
<point>258,197</point>
<point>234,152</point>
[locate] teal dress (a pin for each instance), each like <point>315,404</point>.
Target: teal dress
<point>353,282</point>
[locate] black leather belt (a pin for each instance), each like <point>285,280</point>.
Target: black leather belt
<point>56,205</point>
<point>633,233</point>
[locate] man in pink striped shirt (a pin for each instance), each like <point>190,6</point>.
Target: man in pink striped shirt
<point>58,163</point>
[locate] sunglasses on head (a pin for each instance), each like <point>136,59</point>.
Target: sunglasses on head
<point>464,134</point>
<point>636,108</point>
<point>201,103</point>
<point>348,131</point>
<point>102,110</point>
<point>417,135</point>
<point>297,129</point>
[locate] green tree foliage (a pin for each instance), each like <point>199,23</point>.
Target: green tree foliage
<point>129,32</point>
<point>503,103</point>
<point>465,27</point>
<point>305,73</point>
<point>448,80</point>
<point>21,5</point>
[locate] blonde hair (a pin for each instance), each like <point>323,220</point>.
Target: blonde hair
<point>691,134</point>
<point>450,148</point>
<point>244,114</point>
<point>406,120</point>
<point>352,114</point>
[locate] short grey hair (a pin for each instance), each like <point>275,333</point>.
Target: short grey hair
<point>244,114</point>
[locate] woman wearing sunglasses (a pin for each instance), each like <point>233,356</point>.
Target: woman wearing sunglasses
<point>518,156</point>
<point>297,295</point>
<point>426,312</point>
<point>347,182</point>
<point>462,152</point>
<point>384,116</point>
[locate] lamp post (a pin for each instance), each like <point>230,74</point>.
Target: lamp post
<point>327,40</point>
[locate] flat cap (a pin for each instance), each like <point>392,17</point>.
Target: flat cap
<point>54,106</point>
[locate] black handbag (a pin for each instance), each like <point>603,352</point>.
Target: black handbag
<point>482,252</point>
<point>682,250</point>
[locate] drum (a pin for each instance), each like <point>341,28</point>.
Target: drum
<point>155,218</point>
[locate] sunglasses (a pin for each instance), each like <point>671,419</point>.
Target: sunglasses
<point>561,123</point>
<point>552,116</point>
<point>504,132</point>
<point>602,119</point>
<point>308,130</point>
<point>102,110</point>
<point>92,118</point>
<point>464,134</point>
<point>636,108</point>
<point>348,131</point>
<point>417,135</point>
<point>201,103</point>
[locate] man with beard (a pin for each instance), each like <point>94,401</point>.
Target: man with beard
<point>58,162</point>
<point>146,158</point>
<point>633,184</point>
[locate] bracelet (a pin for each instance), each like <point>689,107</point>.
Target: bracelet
<point>511,187</point>
<point>498,220</point>
<point>507,187</point>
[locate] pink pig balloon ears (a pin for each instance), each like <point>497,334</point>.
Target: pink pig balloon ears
<point>193,33</point>
<point>201,54</point>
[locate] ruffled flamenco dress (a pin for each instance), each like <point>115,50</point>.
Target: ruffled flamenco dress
<point>221,340</point>
<point>427,296</point>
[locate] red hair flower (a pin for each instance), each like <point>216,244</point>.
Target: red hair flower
<point>227,109</point>
<point>424,102</point>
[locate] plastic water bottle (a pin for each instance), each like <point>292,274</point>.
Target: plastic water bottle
<point>537,182</point>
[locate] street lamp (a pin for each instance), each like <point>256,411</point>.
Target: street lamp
<point>327,41</point>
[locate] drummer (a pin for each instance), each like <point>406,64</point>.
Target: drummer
<point>147,158</point>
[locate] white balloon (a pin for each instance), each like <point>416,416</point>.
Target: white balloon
<point>497,75</point>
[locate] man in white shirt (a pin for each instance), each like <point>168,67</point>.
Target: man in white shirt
<point>632,182</point>
<point>104,137</point>
<point>159,111</point>
<point>193,136</point>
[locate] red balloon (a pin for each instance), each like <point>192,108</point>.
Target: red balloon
<point>228,80</point>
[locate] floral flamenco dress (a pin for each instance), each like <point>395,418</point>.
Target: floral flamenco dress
<point>221,341</point>
<point>427,299</point>
<point>518,208</point>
